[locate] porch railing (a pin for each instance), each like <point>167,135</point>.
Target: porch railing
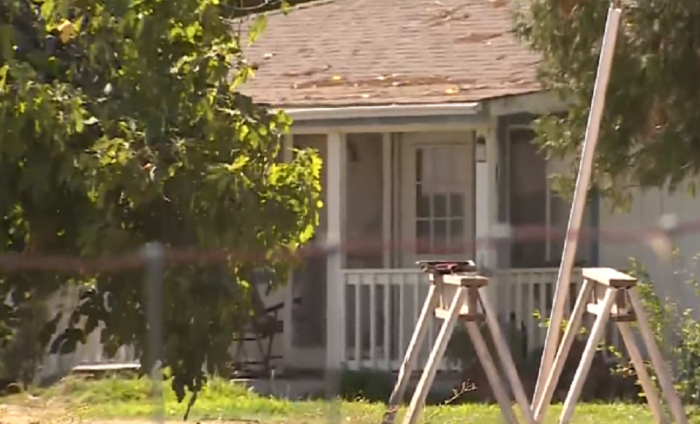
<point>382,306</point>
<point>381,309</point>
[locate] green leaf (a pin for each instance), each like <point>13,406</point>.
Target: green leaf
<point>134,131</point>
<point>6,39</point>
<point>3,76</point>
<point>257,27</point>
<point>285,7</point>
<point>650,134</point>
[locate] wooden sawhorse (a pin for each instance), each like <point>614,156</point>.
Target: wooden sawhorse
<point>454,295</point>
<point>608,293</point>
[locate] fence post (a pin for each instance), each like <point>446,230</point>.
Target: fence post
<point>154,258</point>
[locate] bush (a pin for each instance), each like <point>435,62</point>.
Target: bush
<point>23,354</point>
<point>676,330</point>
<point>366,384</point>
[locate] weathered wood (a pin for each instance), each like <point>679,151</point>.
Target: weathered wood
<point>411,356</point>
<point>462,293</point>
<point>609,294</point>
<point>640,368</point>
<point>114,367</point>
<point>506,359</point>
<point>616,313</point>
<point>465,280</point>
<point>667,388</point>
<point>426,380</point>
<point>609,277</point>
<point>442,313</point>
<point>586,359</point>
<point>494,379</point>
<point>540,404</point>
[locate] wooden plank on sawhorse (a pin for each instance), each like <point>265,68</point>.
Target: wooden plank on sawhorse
<point>610,294</point>
<point>455,295</point>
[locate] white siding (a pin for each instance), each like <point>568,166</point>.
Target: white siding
<point>644,215</point>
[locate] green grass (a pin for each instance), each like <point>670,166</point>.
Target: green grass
<point>117,398</point>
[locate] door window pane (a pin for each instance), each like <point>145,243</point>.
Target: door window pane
<point>456,229</point>
<point>422,203</point>
<point>456,232</point>
<point>456,205</point>
<point>440,206</point>
<point>423,237</point>
<point>419,165</point>
<point>440,239</point>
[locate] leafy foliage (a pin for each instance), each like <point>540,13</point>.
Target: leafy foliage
<point>650,134</point>
<point>675,328</point>
<point>121,124</point>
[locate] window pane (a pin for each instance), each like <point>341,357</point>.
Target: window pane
<point>440,235</point>
<point>456,229</point>
<point>423,237</point>
<point>443,171</point>
<point>457,236</point>
<point>419,165</point>
<point>440,206</point>
<point>422,203</point>
<point>456,205</point>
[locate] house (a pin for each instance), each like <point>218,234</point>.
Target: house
<point>421,111</point>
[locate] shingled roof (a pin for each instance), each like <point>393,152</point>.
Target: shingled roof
<point>371,52</point>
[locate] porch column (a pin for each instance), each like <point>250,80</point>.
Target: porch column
<point>387,201</point>
<point>287,320</point>
<point>335,219</point>
<point>486,198</point>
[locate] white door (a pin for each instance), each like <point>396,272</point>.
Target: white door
<point>437,192</point>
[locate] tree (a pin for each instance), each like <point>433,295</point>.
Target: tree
<point>650,135</point>
<point>121,123</point>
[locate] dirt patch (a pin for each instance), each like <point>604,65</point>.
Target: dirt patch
<point>50,414</point>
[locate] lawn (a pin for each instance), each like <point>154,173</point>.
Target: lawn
<point>113,399</point>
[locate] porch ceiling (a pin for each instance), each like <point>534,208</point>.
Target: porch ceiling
<point>334,53</point>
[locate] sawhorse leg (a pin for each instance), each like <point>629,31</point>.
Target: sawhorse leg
<point>426,380</point>
<point>589,351</point>
<point>491,372</point>
<point>640,368</point>
<point>657,361</point>
<point>540,405</point>
<point>506,359</point>
<point>411,356</point>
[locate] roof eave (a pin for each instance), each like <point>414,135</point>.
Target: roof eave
<point>385,111</point>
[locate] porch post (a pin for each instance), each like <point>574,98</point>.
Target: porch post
<point>335,205</point>
<point>486,194</point>
<point>387,200</point>
<point>486,158</point>
<point>288,322</point>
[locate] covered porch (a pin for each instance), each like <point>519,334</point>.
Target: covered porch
<point>397,194</point>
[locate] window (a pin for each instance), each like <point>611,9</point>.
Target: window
<point>536,208</point>
<point>440,208</point>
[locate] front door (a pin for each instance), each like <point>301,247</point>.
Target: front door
<point>437,206</point>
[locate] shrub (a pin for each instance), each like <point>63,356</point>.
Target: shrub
<point>22,355</point>
<point>676,329</point>
<point>366,384</point>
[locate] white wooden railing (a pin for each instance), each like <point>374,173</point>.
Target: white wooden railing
<point>381,309</point>
<point>382,306</point>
